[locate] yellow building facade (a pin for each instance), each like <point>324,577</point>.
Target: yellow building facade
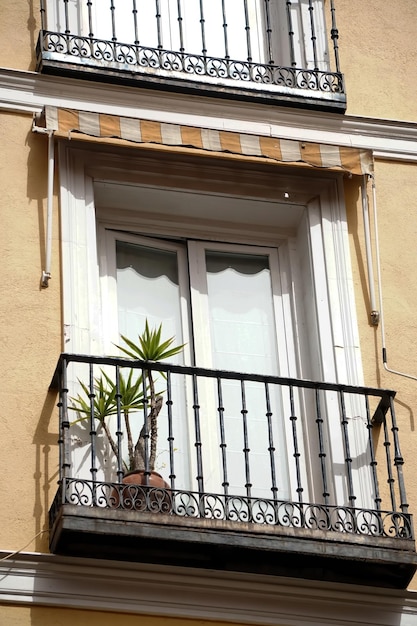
<point>244,174</point>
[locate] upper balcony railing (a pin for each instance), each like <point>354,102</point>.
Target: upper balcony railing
<point>253,48</point>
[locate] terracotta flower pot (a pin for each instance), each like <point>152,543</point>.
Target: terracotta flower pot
<point>141,492</point>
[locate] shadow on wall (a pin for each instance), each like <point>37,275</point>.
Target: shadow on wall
<point>46,469</point>
<point>33,26</point>
<point>46,434</point>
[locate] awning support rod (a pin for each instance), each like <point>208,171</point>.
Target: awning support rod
<point>46,273</point>
<point>374,314</point>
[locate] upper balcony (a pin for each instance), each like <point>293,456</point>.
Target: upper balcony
<point>260,473</point>
<point>275,51</point>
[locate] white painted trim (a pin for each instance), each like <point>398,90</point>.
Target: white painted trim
<point>29,92</point>
<point>82,326</point>
<point>44,579</point>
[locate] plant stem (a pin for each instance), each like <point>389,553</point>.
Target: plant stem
<point>109,437</point>
<point>145,433</point>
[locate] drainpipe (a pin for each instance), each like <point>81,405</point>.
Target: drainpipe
<point>46,273</point>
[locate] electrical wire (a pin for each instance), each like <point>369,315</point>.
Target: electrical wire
<point>9,556</point>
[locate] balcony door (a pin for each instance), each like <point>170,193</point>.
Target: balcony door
<point>226,303</point>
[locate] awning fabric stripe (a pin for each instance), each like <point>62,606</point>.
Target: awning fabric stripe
<point>125,130</point>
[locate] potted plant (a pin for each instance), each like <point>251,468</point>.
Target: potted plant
<point>134,394</point>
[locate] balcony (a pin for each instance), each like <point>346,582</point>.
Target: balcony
<point>276,52</point>
<point>260,474</point>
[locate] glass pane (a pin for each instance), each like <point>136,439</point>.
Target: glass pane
<point>243,336</point>
<point>148,288</point>
<point>241,312</point>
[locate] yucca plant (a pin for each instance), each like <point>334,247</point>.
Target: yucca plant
<point>134,394</point>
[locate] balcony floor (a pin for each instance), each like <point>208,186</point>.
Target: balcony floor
<point>232,546</point>
<point>287,86</point>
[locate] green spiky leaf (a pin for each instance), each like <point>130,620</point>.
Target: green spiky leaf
<point>150,347</point>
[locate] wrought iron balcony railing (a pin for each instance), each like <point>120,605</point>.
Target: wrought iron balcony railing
<point>257,48</point>
<point>259,451</point>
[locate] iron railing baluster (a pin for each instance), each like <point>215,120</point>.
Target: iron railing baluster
<point>42,11</point>
<point>119,427</point>
<point>247,31</point>
<point>334,33</point>
<point>171,437</point>
<point>346,444</point>
<point>158,24</point>
<point>373,463</point>
<point>390,479</point>
<point>90,18</point>
<point>198,447</point>
<point>225,36</point>
<point>246,449</point>
<point>291,34</point>
<point>271,450</point>
<point>135,22</point>
<point>313,36</point>
<point>180,25</point>
<point>146,426</point>
<point>64,425</point>
<point>223,444</point>
<point>398,459</point>
<point>268,30</point>
<point>66,465</point>
<point>296,453</point>
<point>113,21</point>
<point>93,432</point>
<point>203,30</point>
<point>66,18</point>
<point>322,451</point>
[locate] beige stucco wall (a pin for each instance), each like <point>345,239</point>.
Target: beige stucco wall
<point>19,28</point>
<point>30,338</point>
<point>378,56</point>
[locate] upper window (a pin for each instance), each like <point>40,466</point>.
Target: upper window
<point>257,45</point>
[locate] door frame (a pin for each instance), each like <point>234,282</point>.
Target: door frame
<point>338,350</point>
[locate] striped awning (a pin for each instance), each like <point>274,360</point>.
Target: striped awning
<point>127,131</point>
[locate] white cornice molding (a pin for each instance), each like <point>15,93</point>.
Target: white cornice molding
<point>29,92</point>
<point>51,580</point>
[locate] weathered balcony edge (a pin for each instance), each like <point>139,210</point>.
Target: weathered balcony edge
<point>162,539</point>
<point>131,65</point>
<point>257,514</point>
